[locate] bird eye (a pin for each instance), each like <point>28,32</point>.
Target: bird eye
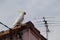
<point>24,13</point>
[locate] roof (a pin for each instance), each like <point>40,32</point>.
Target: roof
<point>22,27</point>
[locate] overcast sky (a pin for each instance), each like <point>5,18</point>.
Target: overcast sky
<point>34,9</point>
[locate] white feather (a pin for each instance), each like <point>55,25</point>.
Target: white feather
<point>19,19</point>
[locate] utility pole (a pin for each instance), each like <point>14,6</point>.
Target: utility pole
<point>46,25</point>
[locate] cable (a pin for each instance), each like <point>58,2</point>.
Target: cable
<point>12,31</point>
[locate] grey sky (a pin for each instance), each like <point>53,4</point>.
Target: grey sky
<point>34,9</point>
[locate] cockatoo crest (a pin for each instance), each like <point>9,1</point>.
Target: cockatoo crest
<point>21,12</point>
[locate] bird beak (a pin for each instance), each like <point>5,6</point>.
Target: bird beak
<point>24,13</point>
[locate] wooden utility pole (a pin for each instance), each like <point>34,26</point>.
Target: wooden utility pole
<point>46,25</point>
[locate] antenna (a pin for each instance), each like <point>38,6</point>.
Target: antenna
<point>5,25</point>
<point>46,25</point>
<point>14,32</point>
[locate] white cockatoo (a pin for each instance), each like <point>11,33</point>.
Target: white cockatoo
<point>19,19</point>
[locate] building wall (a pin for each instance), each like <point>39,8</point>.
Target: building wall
<point>25,34</point>
<point>29,35</point>
<point>33,36</point>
